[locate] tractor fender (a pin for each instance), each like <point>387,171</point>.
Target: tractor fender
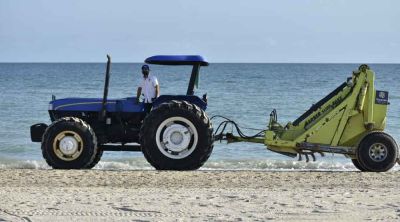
<point>190,99</point>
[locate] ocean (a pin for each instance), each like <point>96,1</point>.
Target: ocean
<point>245,93</point>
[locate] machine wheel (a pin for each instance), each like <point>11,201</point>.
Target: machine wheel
<point>358,165</point>
<point>176,136</point>
<point>69,143</point>
<point>96,160</point>
<point>377,152</point>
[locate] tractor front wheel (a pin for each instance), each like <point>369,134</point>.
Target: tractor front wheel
<point>96,159</point>
<point>69,143</point>
<point>377,152</point>
<point>176,136</point>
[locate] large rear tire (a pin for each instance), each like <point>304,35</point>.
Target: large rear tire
<point>377,152</point>
<point>69,143</point>
<point>176,136</point>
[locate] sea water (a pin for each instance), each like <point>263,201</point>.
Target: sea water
<point>245,93</point>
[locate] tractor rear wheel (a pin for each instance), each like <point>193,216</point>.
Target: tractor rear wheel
<point>69,143</point>
<point>377,152</point>
<point>176,136</point>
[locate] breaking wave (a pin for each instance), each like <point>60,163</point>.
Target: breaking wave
<point>258,165</point>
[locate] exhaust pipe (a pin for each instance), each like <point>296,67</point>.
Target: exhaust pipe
<point>104,103</point>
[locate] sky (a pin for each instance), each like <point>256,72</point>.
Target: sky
<point>303,31</point>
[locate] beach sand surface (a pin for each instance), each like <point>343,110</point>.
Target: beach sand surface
<point>97,195</point>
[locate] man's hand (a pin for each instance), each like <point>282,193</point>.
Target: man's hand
<point>139,91</point>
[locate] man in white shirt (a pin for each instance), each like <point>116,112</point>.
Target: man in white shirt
<point>149,88</point>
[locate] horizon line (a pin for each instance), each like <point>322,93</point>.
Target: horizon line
<point>35,62</point>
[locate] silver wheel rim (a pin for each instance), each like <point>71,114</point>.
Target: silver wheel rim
<point>378,152</point>
<point>176,137</point>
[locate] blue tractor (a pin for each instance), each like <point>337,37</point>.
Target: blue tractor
<point>176,135</point>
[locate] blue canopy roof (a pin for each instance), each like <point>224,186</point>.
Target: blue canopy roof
<point>177,60</point>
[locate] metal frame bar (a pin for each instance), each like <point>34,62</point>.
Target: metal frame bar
<point>193,76</point>
<point>136,148</point>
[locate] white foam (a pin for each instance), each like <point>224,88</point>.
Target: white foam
<point>259,165</point>
<point>27,164</point>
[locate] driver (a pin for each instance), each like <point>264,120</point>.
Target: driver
<point>149,88</point>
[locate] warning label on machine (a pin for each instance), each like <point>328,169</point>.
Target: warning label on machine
<point>382,97</point>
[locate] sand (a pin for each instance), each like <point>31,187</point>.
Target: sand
<point>96,195</point>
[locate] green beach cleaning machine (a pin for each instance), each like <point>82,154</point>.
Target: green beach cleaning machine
<point>177,134</point>
<point>350,121</point>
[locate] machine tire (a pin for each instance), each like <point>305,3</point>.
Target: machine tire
<point>73,132</point>
<point>96,160</point>
<point>358,165</point>
<point>377,152</point>
<point>183,115</point>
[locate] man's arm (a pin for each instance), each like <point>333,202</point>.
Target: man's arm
<point>156,86</point>
<point>139,91</point>
<point>157,90</point>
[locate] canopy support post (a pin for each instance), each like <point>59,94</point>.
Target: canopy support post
<point>195,73</point>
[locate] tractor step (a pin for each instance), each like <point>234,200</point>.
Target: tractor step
<point>136,148</point>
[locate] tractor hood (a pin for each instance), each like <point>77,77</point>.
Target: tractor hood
<point>95,104</point>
